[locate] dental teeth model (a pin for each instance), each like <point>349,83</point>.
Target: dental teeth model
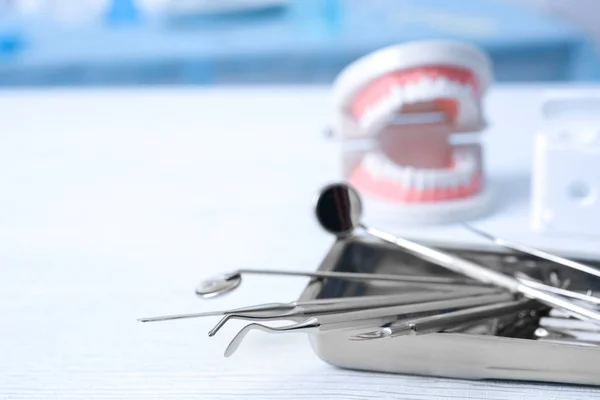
<point>411,102</point>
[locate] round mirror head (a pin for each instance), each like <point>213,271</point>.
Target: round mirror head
<point>218,285</point>
<point>338,208</point>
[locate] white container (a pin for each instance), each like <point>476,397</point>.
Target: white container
<point>566,169</point>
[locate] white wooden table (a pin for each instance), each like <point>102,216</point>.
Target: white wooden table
<point>115,203</point>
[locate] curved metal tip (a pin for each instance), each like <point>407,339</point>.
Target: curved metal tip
<point>219,325</point>
<point>248,317</point>
<point>239,337</point>
<point>480,232</point>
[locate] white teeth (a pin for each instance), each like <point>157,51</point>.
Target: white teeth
<point>397,96</point>
<point>448,179</point>
<point>441,178</point>
<point>373,162</point>
<point>436,180</point>
<point>380,167</point>
<point>440,85</point>
<point>387,107</point>
<point>453,181</point>
<point>407,177</point>
<point>420,92</point>
<point>425,89</point>
<point>389,170</point>
<point>367,118</point>
<point>379,113</point>
<point>464,178</point>
<point>429,178</point>
<point>419,180</point>
<point>410,93</point>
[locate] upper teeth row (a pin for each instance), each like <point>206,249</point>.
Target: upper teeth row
<point>380,166</point>
<point>425,89</point>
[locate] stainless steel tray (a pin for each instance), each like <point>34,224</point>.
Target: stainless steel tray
<point>454,355</point>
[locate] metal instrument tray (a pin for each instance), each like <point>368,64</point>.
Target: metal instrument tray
<point>451,355</point>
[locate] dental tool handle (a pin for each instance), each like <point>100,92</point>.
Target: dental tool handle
<point>408,298</point>
<point>536,252</point>
<point>485,275</point>
<point>449,261</point>
<point>357,276</point>
<point>440,322</point>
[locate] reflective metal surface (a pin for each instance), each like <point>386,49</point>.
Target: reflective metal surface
<point>380,315</point>
<point>338,208</point>
<point>498,348</point>
<point>218,285</point>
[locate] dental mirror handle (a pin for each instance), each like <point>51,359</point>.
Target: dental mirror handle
<point>482,274</point>
<point>536,252</point>
<point>356,276</point>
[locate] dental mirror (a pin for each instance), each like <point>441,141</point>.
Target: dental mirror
<point>338,208</point>
<point>218,285</point>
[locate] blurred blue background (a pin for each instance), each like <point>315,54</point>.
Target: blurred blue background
<point>203,42</point>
